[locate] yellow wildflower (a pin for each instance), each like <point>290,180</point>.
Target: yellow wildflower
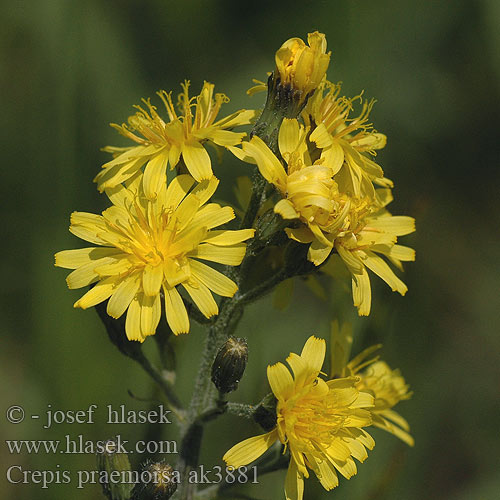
<point>321,423</point>
<point>146,248</point>
<point>360,248</point>
<point>346,143</point>
<point>301,66</point>
<point>161,142</point>
<point>358,229</point>
<point>387,386</point>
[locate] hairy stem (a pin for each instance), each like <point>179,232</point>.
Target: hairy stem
<point>205,400</point>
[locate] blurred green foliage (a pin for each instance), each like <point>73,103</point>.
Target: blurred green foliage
<point>69,68</point>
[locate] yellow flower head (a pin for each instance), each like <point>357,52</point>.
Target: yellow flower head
<point>302,66</point>
<point>147,248</point>
<point>387,386</point>
<point>320,423</point>
<point>346,142</point>
<point>363,249</point>
<point>358,229</point>
<point>162,141</point>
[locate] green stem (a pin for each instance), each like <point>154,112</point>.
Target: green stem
<point>173,401</point>
<point>281,102</point>
<point>241,409</point>
<point>204,395</point>
<point>263,287</point>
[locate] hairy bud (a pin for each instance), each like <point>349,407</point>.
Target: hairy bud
<point>229,364</point>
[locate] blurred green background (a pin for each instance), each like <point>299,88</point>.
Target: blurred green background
<point>69,68</point>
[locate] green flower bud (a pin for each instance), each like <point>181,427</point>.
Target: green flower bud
<point>230,364</point>
<point>111,461</point>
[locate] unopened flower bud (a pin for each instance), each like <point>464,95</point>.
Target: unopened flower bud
<point>111,463</point>
<point>230,364</point>
<point>159,482</point>
<point>301,66</point>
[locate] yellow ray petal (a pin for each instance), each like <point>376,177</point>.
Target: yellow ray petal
<point>347,468</point>
<point>225,137</point>
<point>197,161</point>
<point>321,137</point>
<point>399,225</point>
<point>186,211</point>
<point>188,239</point>
<point>97,294</point>
<point>177,189</point>
<point>118,266</point>
<point>133,321</point>
<point>231,256</point>
<point>205,190</point>
<point>250,449</point>
<point>150,314</point>
<point>226,238</point>
<point>319,252</point>
<point>300,370</point>
<point>213,215</point>
<point>289,136</point>
<point>280,380</point>
<point>396,431</point>
<point>333,157</point>
<point>294,483</point>
<point>115,175</point>
<point>396,418</point>
<point>361,292</point>
<point>350,259</point>
<point>327,475</point>
<point>88,234</point>
<point>152,278</point>
<point>270,167</point>
<point>86,275</point>
<point>155,176</point>
<point>123,295</point>
<point>313,353</point>
<point>73,259</point>
<point>286,209</point>
<point>214,280</point>
<point>175,311</point>
<point>398,252</point>
<point>202,297</point>
<point>383,271</point>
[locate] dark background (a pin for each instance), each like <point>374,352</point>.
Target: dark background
<point>69,68</point>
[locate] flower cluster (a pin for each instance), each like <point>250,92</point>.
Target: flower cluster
<point>163,245</point>
<point>333,192</point>
<point>156,235</point>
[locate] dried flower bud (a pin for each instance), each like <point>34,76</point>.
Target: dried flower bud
<point>110,462</point>
<point>230,364</point>
<point>159,482</point>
